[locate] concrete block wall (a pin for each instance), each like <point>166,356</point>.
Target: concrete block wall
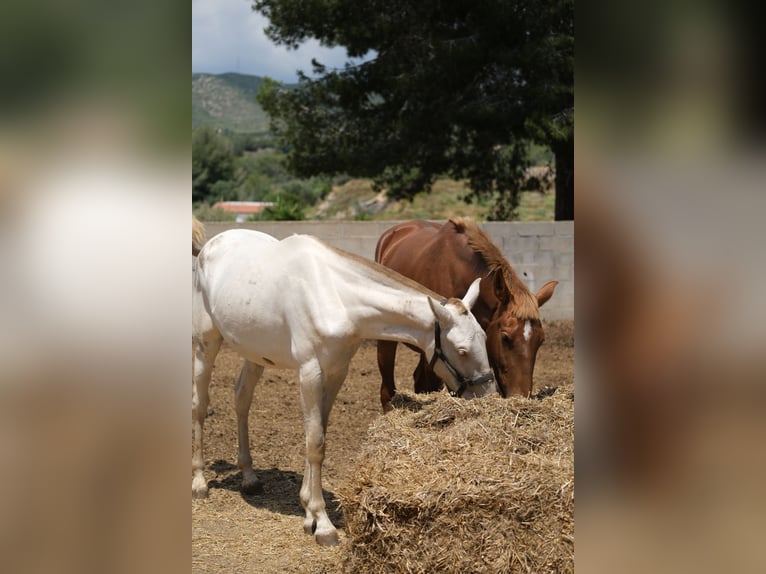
<point>539,251</point>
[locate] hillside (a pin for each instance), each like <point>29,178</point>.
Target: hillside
<point>356,199</point>
<point>227,101</point>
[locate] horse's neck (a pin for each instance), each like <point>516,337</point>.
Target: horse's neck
<point>401,318</point>
<point>389,311</point>
<point>487,304</point>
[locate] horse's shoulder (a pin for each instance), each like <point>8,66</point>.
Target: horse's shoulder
<point>305,243</point>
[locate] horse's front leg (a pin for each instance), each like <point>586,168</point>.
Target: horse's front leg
<point>243,398</point>
<point>318,392</point>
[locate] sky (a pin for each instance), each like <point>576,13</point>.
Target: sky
<point>227,36</point>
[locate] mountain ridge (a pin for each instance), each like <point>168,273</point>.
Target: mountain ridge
<point>227,101</point>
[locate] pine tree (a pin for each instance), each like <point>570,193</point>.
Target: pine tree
<point>456,88</point>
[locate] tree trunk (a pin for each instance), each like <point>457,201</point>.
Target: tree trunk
<point>564,156</point>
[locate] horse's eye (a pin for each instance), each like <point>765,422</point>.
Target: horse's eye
<point>462,352</point>
<point>506,339</point>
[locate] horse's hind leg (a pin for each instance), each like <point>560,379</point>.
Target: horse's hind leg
<point>205,350</point>
<point>243,398</point>
<point>425,379</point>
<point>386,362</point>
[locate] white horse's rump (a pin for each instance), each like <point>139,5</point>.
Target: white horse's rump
<point>300,304</point>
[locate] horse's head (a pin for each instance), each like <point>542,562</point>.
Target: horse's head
<point>460,353</point>
<point>512,342</point>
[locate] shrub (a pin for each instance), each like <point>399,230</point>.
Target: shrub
<point>285,208</point>
<point>212,161</point>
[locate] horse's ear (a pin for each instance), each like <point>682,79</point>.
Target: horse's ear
<point>501,287</point>
<point>472,295</point>
<point>441,313</point>
<point>545,292</point>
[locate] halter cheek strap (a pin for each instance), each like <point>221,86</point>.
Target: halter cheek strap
<point>464,382</point>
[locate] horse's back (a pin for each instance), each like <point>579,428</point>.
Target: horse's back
<point>391,239</point>
<point>404,247</point>
<point>435,255</point>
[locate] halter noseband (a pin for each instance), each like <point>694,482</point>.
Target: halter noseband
<point>465,382</point>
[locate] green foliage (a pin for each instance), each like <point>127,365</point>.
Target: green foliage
<point>255,187</point>
<point>285,208</point>
<point>251,142</point>
<point>269,164</point>
<point>222,174</point>
<point>539,154</point>
<point>307,191</point>
<point>212,161</point>
<point>449,88</point>
<point>224,190</point>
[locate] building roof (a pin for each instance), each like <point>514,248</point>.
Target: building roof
<point>247,207</point>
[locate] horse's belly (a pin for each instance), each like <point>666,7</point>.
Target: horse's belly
<point>264,346</point>
<point>257,335</point>
<point>268,355</point>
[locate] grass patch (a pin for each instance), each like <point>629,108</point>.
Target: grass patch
<point>355,199</point>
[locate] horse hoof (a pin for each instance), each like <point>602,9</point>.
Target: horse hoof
<point>327,539</point>
<point>255,487</point>
<point>199,493</point>
<point>199,487</point>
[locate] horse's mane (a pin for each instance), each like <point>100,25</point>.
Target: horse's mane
<point>523,303</point>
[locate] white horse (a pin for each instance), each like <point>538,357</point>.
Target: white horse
<point>301,304</point>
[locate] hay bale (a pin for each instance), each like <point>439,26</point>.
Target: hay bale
<point>448,485</point>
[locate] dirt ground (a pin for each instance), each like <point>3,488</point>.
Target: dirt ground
<point>232,532</point>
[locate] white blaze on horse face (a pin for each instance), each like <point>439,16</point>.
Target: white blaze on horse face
<point>527,330</point>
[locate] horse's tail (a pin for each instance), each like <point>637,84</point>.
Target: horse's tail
<point>198,235</point>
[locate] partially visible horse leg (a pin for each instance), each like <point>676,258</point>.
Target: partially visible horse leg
<point>205,350</point>
<point>425,379</point>
<point>386,363</point>
<point>318,392</point>
<point>243,398</point>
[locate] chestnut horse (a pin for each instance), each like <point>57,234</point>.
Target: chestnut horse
<point>447,259</point>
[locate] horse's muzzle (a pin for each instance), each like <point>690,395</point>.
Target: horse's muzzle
<point>466,383</point>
